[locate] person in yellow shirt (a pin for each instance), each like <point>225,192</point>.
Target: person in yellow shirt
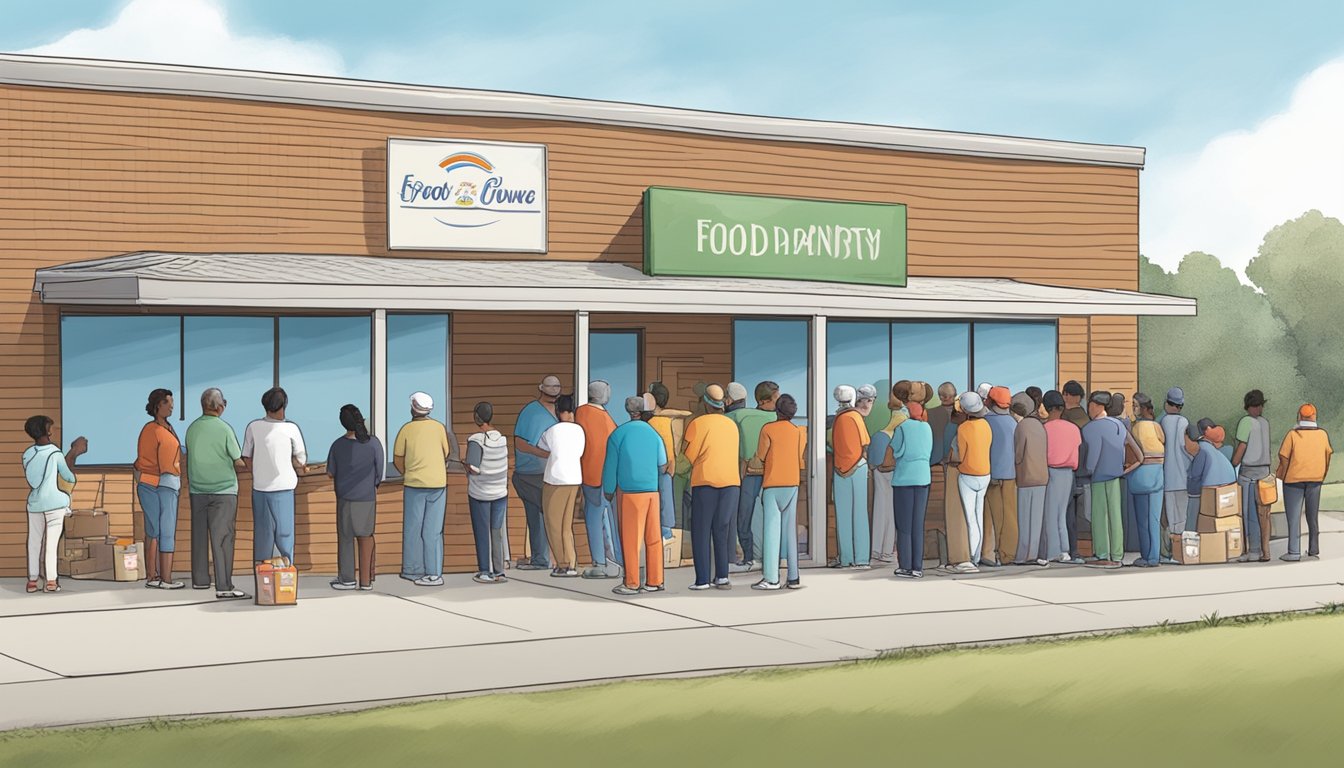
<point>711,444</point>
<point>1304,461</point>
<point>849,444</point>
<point>973,440</point>
<point>420,454</point>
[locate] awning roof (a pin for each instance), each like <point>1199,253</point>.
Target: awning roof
<point>301,281</point>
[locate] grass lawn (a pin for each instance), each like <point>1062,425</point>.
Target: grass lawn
<point>1233,694</point>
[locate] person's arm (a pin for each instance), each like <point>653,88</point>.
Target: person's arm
<point>762,448</point>
<point>1329,452</point>
<point>663,459</point>
<point>399,452</point>
<point>1286,454</point>
<point>475,455</point>
<point>169,458</point>
<point>1194,483</point>
<point>78,447</point>
<point>962,448</point>
<point>1093,454</point>
<point>1136,448</point>
<point>802,451</point>
<point>611,465</point>
<point>331,465</point>
<point>247,449</point>
<point>543,449</point>
<point>298,453</point>
<point>888,458</point>
<point>1019,448</point>
<point>381,458</point>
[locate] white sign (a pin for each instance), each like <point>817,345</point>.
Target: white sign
<point>466,195</point>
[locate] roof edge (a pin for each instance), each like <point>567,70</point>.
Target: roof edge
<point>345,93</point>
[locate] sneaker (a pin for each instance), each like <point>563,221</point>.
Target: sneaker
<point>766,586</point>
<point>838,564</point>
<point>483,578</point>
<point>232,594</point>
<point>1042,562</point>
<point>1311,555</point>
<point>598,572</point>
<point>524,565</point>
<point>1290,558</point>
<point>861,567</point>
<point>742,567</point>
<point>621,589</point>
<point>965,568</point>
<point>653,588</point>
<point>344,586</point>
<point>1248,557</point>
<point>366,587</point>
<point>990,564</point>
<point>1167,561</point>
<point>152,584</point>
<point>884,557</point>
<point>722,584</point>
<point>568,573</point>
<point>429,581</point>
<point>200,586</point>
<point>498,577</point>
<point>795,584</point>
<point>1104,564</point>
<point>917,574</point>
<point>171,585</point>
<point>901,573</point>
<point>699,587</point>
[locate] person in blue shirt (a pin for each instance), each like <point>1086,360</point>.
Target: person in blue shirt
<point>1105,438</point>
<point>1210,468</point>
<point>909,452</point>
<point>530,465</point>
<point>636,458</point>
<point>45,467</point>
<point>999,546</point>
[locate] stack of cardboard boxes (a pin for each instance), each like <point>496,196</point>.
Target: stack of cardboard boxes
<point>1217,537</point>
<point>87,551</point>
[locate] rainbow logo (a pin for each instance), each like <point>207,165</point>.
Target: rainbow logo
<point>465,160</point>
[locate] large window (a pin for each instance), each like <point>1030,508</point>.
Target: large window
<point>613,357</point>
<point>235,354</point>
<point>325,363</point>
<point>109,365</point>
<point>772,350</point>
<point>858,354</point>
<point>1016,355</point>
<point>417,361</point>
<point>932,352</point>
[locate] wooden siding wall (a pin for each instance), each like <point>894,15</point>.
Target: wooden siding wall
<point>91,174</point>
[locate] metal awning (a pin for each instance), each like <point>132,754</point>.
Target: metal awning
<point>305,281</point>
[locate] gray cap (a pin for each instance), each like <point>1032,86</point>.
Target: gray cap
<point>1100,398</point>
<point>972,404</point>
<point>1023,405</point>
<point>634,405</point>
<point>1176,396</point>
<point>599,392</point>
<point>866,392</point>
<point>844,394</point>
<point>736,392</point>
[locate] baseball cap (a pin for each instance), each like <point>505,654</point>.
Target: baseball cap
<point>983,390</point>
<point>635,404</point>
<point>1100,398</point>
<point>650,403</point>
<point>1024,402</point>
<point>866,392</point>
<point>599,392</point>
<point>736,392</point>
<point>1307,412</point>
<point>1176,396</point>
<point>421,403</point>
<point>714,395</point>
<point>845,394</point>
<point>1052,400</point>
<point>550,386</point>
<point>1074,389</point>
<point>1254,398</point>
<point>972,404</point>
<point>1000,396</point>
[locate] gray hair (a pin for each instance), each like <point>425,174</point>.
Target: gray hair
<point>634,405</point>
<point>599,392</point>
<point>212,399</point>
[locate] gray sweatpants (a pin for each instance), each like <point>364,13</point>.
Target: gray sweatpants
<point>1030,523</point>
<point>1055,531</point>
<point>214,524</point>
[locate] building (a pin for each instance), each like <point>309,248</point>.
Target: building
<point>356,241</point>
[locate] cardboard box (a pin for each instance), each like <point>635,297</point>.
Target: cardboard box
<point>87,525</point>
<point>99,560</point>
<point>1185,548</point>
<point>1236,543</point>
<point>128,560</point>
<point>277,583</point>
<point>1221,501</point>
<point>77,549</point>
<point>1085,547</point>
<point>1212,548</point>
<point>1208,524</point>
<point>672,550</point>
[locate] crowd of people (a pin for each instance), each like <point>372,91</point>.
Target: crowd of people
<point>1024,475</point>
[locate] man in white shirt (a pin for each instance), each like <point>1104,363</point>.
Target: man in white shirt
<point>562,447</point>
<point>274,453</point>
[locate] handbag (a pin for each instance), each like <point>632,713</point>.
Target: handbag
<point>1267,489</point>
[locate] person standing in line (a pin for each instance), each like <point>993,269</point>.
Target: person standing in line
<point>736,398</point>
<point>1252,459</point>
<point>1209,468</point>
<point>983,391</point>
<point>273,451</point>
<point>849,439</point>
<point>884,542</point>
<point>529,467</point>
<point>1037,397</point>
<point>750,422</point>
<point>939,416</point>
<point>1105,440</point>
<point>488,495</point>
<point>1000,533</point>
<point>420,453</point>
<point>1175,469</point>
<point>158,469</point>
<point>635,460</point>
<point>1079,516</point>
<point>356,464</point>
<point>954,517</point>
<point>1146,482</point>
<point>599,519</point>
<point>974,439</point>
<point>670,424</point>
<point>782,452</point>
<point>1304,461</point>
<point>909,453</point>
<point>213,460</point>
<point>45,469</point>
<point>1033,476</point>
<point>1116,410</point>
<point>711,443</point>
<point>1073,404</point>
<point>562,447</point>
<point>1062,441</point>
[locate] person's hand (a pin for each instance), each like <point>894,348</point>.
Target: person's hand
<point>79,446</point>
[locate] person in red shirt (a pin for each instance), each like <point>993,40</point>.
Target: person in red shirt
<point>598,516</point>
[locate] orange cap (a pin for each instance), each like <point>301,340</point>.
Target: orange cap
<point>1000,396</point>
<point>1306,413</point>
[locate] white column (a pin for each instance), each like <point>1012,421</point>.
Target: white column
<point>816,441</point>
<point>378,407</point>
<point>580,357</point>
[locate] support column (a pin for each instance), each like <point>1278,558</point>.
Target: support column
<point>816,444</point>
<point>378,407</point>
<point>580,357</point>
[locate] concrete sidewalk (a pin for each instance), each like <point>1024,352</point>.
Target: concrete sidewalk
<point>100,652</point>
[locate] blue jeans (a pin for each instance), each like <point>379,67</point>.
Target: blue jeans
<point>487,525</point>
<point>600,520</point>
<point>746,507</point>
<point>272,524</point>
<point>1295,497</point>
<point>711,529</point>
<point>422,532</point>
<point>779,521</point>
<point>160,508</point>
<point>1249,481</point>
<point>1146,491</point>
<point>667,510</point>
<point>529,492</point>
<point>851,517</point>
<point>910,504</point>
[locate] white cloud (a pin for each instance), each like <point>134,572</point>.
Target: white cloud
<point>1225,198</point>
<point>191,32</point>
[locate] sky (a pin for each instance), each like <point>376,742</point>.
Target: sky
<point>1239,105</point>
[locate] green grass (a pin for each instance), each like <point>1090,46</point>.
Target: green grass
<point>1225,690</point>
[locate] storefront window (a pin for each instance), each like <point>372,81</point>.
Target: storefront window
<point>772,350</point>
<point>324,364</point>
<point>417,361</point>
<point>613,357</point>
<point>109,365</point>
<point>1016,355</point>
<point>858,354</point>
<point>932,352</point>
<point>235,354</point>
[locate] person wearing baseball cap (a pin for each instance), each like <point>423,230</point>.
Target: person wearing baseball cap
<point>974,437</point>
<point>711,443</point>
<point>849,443</point>
<point>750,422</point>
<point>1063,441</point>
<point>1252,458</point>
<point>736,397</point>
<point>421,453</point>
<point>1175,469</point>
<point>599,519</point>
<point>1304,461</point>
<point>999,545</point>
<point>529,469</point>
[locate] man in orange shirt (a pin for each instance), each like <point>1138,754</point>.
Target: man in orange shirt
<point>598,516</point>
<point>711,444</point>
<point>1304,460</point>
<point>782,449</point>
<point>849,444</point>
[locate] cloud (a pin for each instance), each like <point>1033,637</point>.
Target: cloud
<point>191,32</point>
<point>1225,198</point>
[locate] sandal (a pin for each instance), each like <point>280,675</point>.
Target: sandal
<point>53,587</point>
<point>32,586</point>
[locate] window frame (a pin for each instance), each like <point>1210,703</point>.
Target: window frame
<point>639,357</point>
<point>384,414</point>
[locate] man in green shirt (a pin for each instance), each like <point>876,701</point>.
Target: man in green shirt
<point>213,461</point>
<point>749,422</point>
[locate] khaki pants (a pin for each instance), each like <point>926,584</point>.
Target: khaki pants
<point>958,539</point>
<point>1000,514</point>
<point>557,508</point>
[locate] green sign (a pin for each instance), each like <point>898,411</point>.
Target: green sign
<point>710,234</point>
